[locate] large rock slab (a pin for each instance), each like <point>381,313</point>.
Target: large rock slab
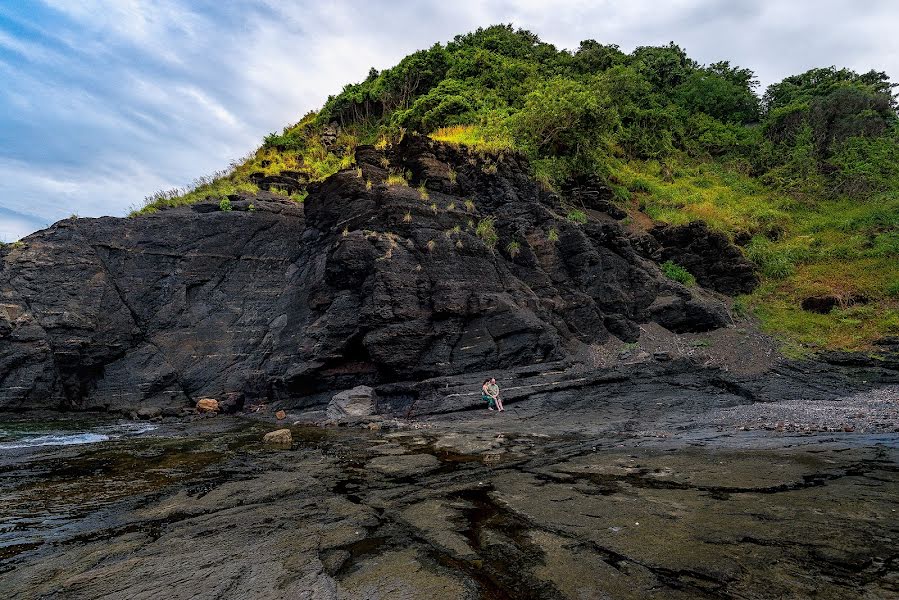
<point>355,403</point>
<point>406,465</point>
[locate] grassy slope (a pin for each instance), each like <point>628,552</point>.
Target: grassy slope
<point>313,160</point>
<point>844,248</point>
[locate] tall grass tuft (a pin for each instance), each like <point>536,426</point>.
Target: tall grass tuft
<point>486,230</point>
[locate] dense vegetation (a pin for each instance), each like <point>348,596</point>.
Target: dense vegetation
<point>805,177</point>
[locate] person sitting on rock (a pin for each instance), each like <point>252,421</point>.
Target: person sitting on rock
<point>493,391</point>
<point>486,396</point>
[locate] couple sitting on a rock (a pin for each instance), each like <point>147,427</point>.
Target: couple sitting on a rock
<point>490,393</point>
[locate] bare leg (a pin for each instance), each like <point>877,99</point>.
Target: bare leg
<point>499,404</point>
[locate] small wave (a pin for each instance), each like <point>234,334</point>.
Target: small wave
<point>97,434</point>
<point>56,440</point>
<point>133,428</point>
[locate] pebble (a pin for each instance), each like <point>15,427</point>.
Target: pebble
<point>873,411</point>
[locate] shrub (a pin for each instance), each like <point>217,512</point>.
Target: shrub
<point>577,216</point>
<point>469,205</point>
<point>482,139</point>
<point>251,208</point>
<point>892,289</point>
<point>514,249</point>
<point>486,230</point>
<point>431,245</point>
<point>397,179</point>
<point>423,192</point>
<point>407,218</point>
<point>225,205</point>
<point>567,122</point>
<point>640,186</point>
<point>552,235</point>
<point>300,197</point>
<point>451,206</point>
<point>773,261</point>
<point>677,273</point>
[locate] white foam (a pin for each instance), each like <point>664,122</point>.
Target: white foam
<point>99,434</point>
<point>56,440</point>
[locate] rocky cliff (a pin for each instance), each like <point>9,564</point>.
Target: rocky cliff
<point>363,283</point>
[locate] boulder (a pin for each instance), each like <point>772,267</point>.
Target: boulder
<point>279,437</point>
<point>149,412</point>
<point>207,405</point>
<point>357,402</point>
<point>820,304</point>
<point>231,402</point>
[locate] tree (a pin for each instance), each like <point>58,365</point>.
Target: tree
<point>566,120</point>
<point>720,91</point>
<point>817,83</point>
<point>665,67</point>
<point>593,57</point>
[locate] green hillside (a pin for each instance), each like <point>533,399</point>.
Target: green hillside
<point>804,177</point>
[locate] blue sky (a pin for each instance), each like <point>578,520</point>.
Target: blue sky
<point>103,102</point>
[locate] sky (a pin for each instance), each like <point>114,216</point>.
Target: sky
<point>103,102</point>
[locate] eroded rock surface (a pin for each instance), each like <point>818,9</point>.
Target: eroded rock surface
<point>364,284</point>
<point>615,499</point>
<point>708,255</point>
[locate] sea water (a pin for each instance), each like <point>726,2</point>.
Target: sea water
<point>33,434</point>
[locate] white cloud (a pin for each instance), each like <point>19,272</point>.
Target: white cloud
<point>15,225</point>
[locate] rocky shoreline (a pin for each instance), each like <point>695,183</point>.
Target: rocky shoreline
<point>619,495</point>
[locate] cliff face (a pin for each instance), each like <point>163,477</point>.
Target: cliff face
<point>362,284</point>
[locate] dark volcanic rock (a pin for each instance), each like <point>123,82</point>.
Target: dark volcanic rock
<point>359,286</point>
<point>592,193</point>
<point>820,304</point>
<point>708,255</point>
<point>289,181</point>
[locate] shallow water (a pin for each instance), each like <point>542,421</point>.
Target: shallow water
<point>29,434</point>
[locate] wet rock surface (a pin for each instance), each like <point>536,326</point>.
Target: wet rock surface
<point>619,497</point>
